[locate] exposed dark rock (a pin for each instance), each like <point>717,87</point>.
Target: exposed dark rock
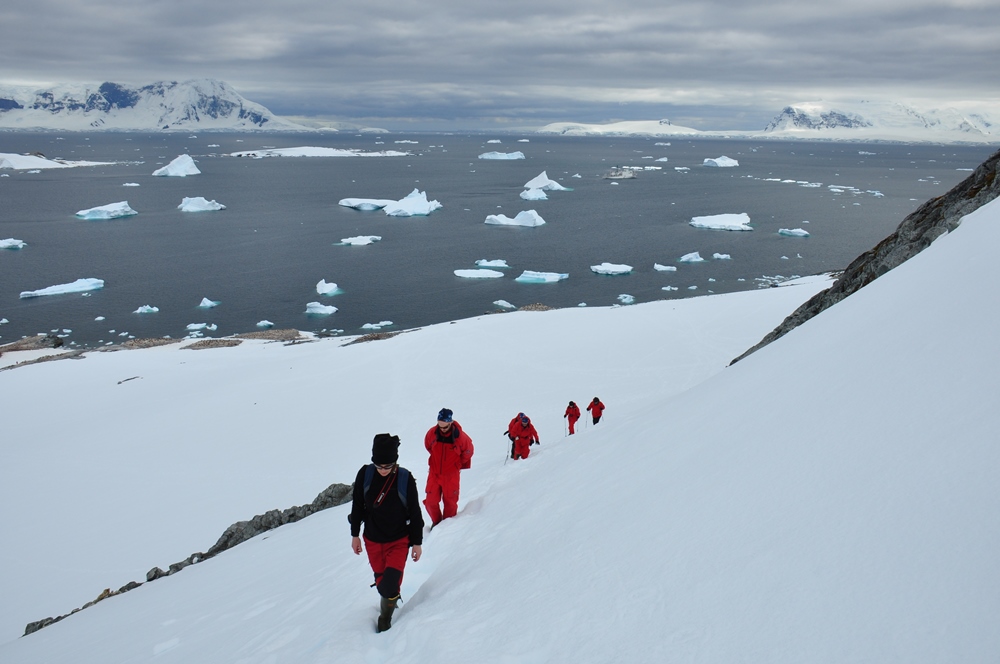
<point>924,225</point>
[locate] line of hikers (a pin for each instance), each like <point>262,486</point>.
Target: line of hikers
<point>393,523</point>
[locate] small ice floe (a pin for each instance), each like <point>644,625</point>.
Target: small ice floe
<point>478,274</point>
<point>693,257</point>
<point>208,304</point>
<point>130,184</point>
<point>611,269</point>
<point>320,309</point>
<point>180,167</point>
<point>265,323</point>
<point>664,268</point>
<point>577,175</point>
<point>199,204</point>
<point>504,304</point>
<point>499,262</point>
<point>525,140</point>
<point>534,195</point>
<point>615,183</point>
<point>308,151</point>
<point>11,243</point>
<point>793,232</point>
<point>78,286</point>
<point>692,288</point>
<point>625,298</point>
<point>99,318</point>
<point>722,257</point>
<point>502,155</point>
<point>407,142</point>
<point>542,181</point>
<point>365,204</point>
<point>109,211</point>
<point>198,327</point>
<point>662,159</point>
<point>532,277</point>
<point>681,169</point>
<point>528,218</point>
<point>377,326</point>
<point>360,240</point>
<point>324,288</point>
<point>721,162</point>
<point>494,140</point>
<point>146,309</point>
<point>670,288</point>
<point>723,222</point>
<point>413,205</point>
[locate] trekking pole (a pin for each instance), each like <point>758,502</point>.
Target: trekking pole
<point>507,433</point>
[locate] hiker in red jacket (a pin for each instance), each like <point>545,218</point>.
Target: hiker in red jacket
<point>451,452</point>
<point>523,435</point>
<point>572,414</point>
<point>596,409</point>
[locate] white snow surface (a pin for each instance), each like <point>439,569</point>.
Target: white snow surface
<point>182,166</point>
<point>78,286</point>
<point>199,204</point>
<point>109,211</point>
<point>12,243</point>
<point>611,268</point>
<point>721,162</point>
<point>501,156</point>
<point>543,182</point>
<point>479,274</point>
<point>25,162</point>
<point>528,218</point>
<point>415,204</point>
<point>723,222</point>
<point>776,521</point>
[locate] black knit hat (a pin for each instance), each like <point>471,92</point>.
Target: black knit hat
<point>385,448</point>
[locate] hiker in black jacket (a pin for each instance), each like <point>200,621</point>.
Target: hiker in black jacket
<point>387,503</point>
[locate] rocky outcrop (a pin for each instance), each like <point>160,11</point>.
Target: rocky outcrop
<point>333,495</point>
<point>927,223</point>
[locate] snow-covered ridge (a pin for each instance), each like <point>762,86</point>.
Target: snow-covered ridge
<point>202,104</point>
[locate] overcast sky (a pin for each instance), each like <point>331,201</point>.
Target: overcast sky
<point>709,64</point>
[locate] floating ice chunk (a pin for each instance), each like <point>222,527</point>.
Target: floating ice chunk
<point>692,288</point>
<point>199,204</point>
<point>208,304</point>
<point>11,243</point>
<point>681,169</point>
<point>413,205</point>
<point>721,162</point>
<point>532,277</point>
<point>130,184</point>
<point>662,159</point>
<point>793,232</point>
<point>611,268</point>
<point>670,288</point>
<point>109,211</point>
<point>494,263</point>
<point>502,155</point>
<point>99,318</point>
<point>3,321</point>
<point>366,204</point>
<point>526,218</point>
<point>693,257</point>
<point>525,140</point>
<point>376,326</point>
<point>667,144</point>
<point>542,181</point>
<point>360,240</point>
<point>534,195</point>
<point>625,298</point>
<point>323,288</point>
<point>577,175</point>
<point>308,151</point>
<point>494,140</point>
<point>478,274</point>
<point>664,268</point>
<point>146,309</point>
<point>265,323</point>
<point>722,257</point>
<point>78,286</point>
<point>319,309</point>
<point>504,304</point>
<point>723,222</point>
<point>195,327</point>
<point>180,167</point>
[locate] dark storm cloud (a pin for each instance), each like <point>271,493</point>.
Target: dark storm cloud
<point>532,61</point>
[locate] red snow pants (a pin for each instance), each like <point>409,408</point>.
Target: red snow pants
<point>442,489</point>
<point>388,560</point>
<point>522,447</point>
<point>572,424</point>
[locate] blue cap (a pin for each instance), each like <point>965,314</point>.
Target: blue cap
<point>444,415</point>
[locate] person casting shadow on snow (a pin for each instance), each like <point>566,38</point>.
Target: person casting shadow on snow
<point>596,409</point>
<point>385,501</point>
<point>572,414</point>
<point>451,452</point>
<point>522,436</point>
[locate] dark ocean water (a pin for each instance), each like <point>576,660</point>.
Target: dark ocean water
<point>263,255</point>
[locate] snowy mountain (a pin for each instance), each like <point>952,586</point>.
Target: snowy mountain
<point>200,104</point>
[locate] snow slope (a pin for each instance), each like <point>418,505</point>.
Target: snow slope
<point>830,498</point>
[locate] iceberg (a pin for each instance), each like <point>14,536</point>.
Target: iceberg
<point>109,211</point>
<point>494,140</point>
<point>196,327</point>
<point>360,240</point>
<point>534,195</point>
<point>23,161</point>
<point>11,243</point>
<point>693,257</point>
<point>207,303</point>
<point>413,205</point>
<point>528,218</point>
<point>670,288</point>
<point>611,268</point>
<point>130,184</point>
<point>664,268</point>
<point>199,204</point>
<point>502,155</point>
<point>494,263</point>
<point>793,232</point>
<point>146,309</point>
<point>366,204</point>
<point>323,288</point>
<point>681,169</point>
<point>265,323</point>
<point>532,277</point>
<point>722,257</point>
<point>721,162</point>
<point>504,304</point>
<point>478,274</point>
<point>542,181</point>
<point>78,286</point>
<point>723,222</point>
<point>625,298</point>
<point>376,326</point>
<point>180,167</point>
<point>320,309</point>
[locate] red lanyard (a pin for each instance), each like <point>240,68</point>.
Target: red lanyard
<point>385,488</point>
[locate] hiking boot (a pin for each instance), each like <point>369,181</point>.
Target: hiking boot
<point>386,607</point>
